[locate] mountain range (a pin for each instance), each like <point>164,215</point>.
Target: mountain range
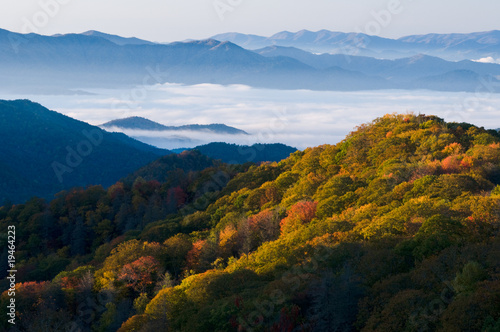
<point>40,64</point>
<point>404,68</point>
<point>453,47</point>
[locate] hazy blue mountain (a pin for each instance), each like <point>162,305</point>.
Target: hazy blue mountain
<point>453,47</point>
<point>134,122</point>
<point>140,123</point>
<point>44,152</point>
<point>322,41</point>
<point>458,80</point>
<point>34,61</point>
<point>118,39</point>
<point>247,41</point>
<point>404,69</point>
<point>240,154</point>
<point>489,40</point>
<point>417,72</point>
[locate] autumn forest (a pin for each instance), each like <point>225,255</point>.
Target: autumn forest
<point>395,228</point>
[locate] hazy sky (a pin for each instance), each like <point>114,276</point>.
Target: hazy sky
<point>170,20</point>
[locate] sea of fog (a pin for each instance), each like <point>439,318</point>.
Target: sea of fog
<point>300,118</point>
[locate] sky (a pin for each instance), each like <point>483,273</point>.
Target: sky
<point>174,20</point>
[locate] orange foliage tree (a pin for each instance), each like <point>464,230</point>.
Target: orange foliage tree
<point>193,256</point>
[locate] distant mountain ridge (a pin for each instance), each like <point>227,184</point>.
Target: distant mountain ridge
<point>463,44</point>
<point>416,67</point>
<point>42,62</point>
<point>453,47</point>
<point>140,123</point>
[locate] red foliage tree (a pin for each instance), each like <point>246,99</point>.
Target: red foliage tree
<point>300,213</point>
<point>451,164</point>
<point>140,274</point>
<point>69,282</point>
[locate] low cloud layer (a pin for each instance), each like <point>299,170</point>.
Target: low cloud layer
<point>300,118</point>
<point>488,60</point>
<point>175,139</point>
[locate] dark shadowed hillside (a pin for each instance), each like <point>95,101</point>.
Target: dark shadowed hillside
<point>239,154</point>
<point>44,152</point>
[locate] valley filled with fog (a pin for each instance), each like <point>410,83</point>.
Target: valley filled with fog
<point>300,118</point>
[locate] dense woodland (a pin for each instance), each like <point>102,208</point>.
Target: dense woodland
<point>393,229</point>
<point>240,154</point>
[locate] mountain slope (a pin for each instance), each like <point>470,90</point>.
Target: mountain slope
<point>378,220</point>
<point>44,152</point>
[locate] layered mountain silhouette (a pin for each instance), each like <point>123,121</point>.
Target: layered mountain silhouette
<point>65,63</point>
<point>448,46</point>
<point>35,61</point>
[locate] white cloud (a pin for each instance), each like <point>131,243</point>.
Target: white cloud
<point>488,60</point>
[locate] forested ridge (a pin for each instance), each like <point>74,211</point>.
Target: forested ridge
<point>43,152</point>
<point>393,229</point>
